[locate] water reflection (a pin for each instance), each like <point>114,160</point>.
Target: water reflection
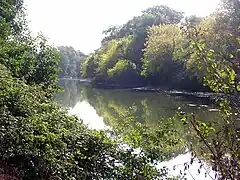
<point>88,114</point>
<point>102,108</point>
<point>145,107</point>
<point>176,166</point>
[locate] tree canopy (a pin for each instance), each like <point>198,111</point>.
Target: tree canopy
<point>159,53</point>
<point>40,140</point>
<point>144,31</point>
<point>70,62</point>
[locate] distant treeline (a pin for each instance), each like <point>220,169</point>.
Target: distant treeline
<point>70,62</point>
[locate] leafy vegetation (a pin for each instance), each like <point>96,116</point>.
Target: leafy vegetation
<point>163,63</point>
<point>70,62</point>
<point>39,140</point>
<point>136,33</point>
<point>203,49</point>
<point>217,58</point>
<point>159,53</point>
<point>143,31</point>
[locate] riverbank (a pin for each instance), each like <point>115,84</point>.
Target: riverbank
<point>204,94</point>
<point>136,88</point>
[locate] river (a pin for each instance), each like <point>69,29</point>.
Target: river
<point>102,108</point>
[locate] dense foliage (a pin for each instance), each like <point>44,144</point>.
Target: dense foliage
<point>157,53</point>
<point>162,60</point>
<point>216,56</point>
<point>137,67</point>
<point>70,62</point>
<point>136,31</point>
<point>203,49</point>
<point>39,140</point>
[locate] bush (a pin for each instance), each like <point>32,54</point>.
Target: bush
<point>40,140</point>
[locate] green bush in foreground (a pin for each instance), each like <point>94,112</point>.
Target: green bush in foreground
<point>39,140</point>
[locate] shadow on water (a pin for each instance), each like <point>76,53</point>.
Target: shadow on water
<point>147,107</point>
<point>100,108</point>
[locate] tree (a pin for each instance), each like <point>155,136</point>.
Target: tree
<point>139,24</point>
<point>89,66</point>
<point>162,64</point>
<point>212,50</point>
<point>12,12</point>
<point>70,62</point>
<point>161,46</point>
<point>137,29</point>
<point>110,63</point>
<point>39,140</point>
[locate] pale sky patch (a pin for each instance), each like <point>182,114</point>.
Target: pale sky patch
<point>79,23</point>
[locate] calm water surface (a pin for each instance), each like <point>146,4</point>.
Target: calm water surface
<point>101,109</point>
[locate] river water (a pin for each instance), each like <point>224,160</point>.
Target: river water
<point>101,108</point>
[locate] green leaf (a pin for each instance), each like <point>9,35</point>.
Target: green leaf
<point>238,87</point>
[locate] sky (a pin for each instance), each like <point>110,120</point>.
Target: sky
<point>79,23</point>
